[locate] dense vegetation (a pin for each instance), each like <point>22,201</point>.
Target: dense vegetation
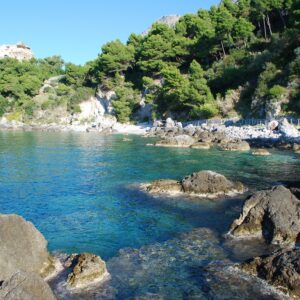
<point>238,58</point>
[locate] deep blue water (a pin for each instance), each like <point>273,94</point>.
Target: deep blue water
<point>80,189</point>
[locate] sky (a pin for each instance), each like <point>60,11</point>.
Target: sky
<point>76,29</point>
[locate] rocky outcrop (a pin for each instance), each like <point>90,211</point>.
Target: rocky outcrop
<point>105,98</point>
<point>86,269</point>
<point>205,183</point>
<point>210,183</point>
<point>25,286</point>
<point>22,247</point>
<point>170,20</point>
<point>19,51</point>
<point>234,145</point>
<point>183,141</point>
<point>272,215</point>
<point>281,269</point>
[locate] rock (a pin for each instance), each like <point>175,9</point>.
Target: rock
<point>261,152</point>
<point>235,145</point>
<point>281,269</point>
<point>170,123</point>
<point>287,129</point>
<point>183,140</point>
<point>273,125</point>
<point>189,130</point>
<point>88,268</point>
<point>272,215</point>
<point>201,145</point>
<point>210,183</point>
<point>25,286</point>
<point>170,20</point>
<point>157,123</point>
<point>22,247</point>
<point>294,187</point>
<point>296,147</point>
<point>164,186</point>
<point>179,125</point>
<point>205,136</point>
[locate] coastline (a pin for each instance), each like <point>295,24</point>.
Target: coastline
<point>116,128</point>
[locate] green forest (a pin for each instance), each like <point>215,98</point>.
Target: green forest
<point>232,60</point>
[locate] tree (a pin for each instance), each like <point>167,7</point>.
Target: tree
<point>125,102</point>
<point>156,49</point>
<point>116,57</point>
<point>200,97</point>
<point>174,92</point>
<point>224,22</point>
<point>243,30</point>
<point>76,74</point>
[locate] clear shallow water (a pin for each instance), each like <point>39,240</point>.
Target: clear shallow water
<point>80,190</point>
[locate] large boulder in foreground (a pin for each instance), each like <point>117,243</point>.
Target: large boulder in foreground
<point>210,183</point>
<point>273,215</point>
<point>281,269</point>
<point>204,183</point>
<point>22,247</point>
<point>87,269</point>
<point>25,286</point>
<point>182,140</point>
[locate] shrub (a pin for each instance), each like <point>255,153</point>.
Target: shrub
<point>276,92</point>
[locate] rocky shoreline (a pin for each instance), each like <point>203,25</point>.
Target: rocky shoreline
<point>281,135</point>
<point>109,128</point>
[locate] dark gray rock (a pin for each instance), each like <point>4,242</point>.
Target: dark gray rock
<point>281,269</point>
<point>25,286</point>
<point>272,214</point>
<point>22,247</point>
<point>211,183</point>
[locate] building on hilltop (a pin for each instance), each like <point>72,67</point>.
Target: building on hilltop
<point>18,51</point>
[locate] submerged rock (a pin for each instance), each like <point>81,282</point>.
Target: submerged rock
<point>272,215</point>
<point>210,183</point>
<point>22,247</point>
<point>25,286</point>
<point>168,269</point>
<point>201,145</point>
<point>183,140</point>
<point>261,152</point>
<point>88,268</point>
<point>204,183</point>
<point>281,269</point>
<point>164,186</point>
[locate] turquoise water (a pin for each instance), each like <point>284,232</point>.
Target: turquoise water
<point>81,191</point>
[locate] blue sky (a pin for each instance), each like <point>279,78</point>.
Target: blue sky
<point>76,29</point>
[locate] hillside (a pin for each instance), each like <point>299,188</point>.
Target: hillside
<point>241,58</point>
